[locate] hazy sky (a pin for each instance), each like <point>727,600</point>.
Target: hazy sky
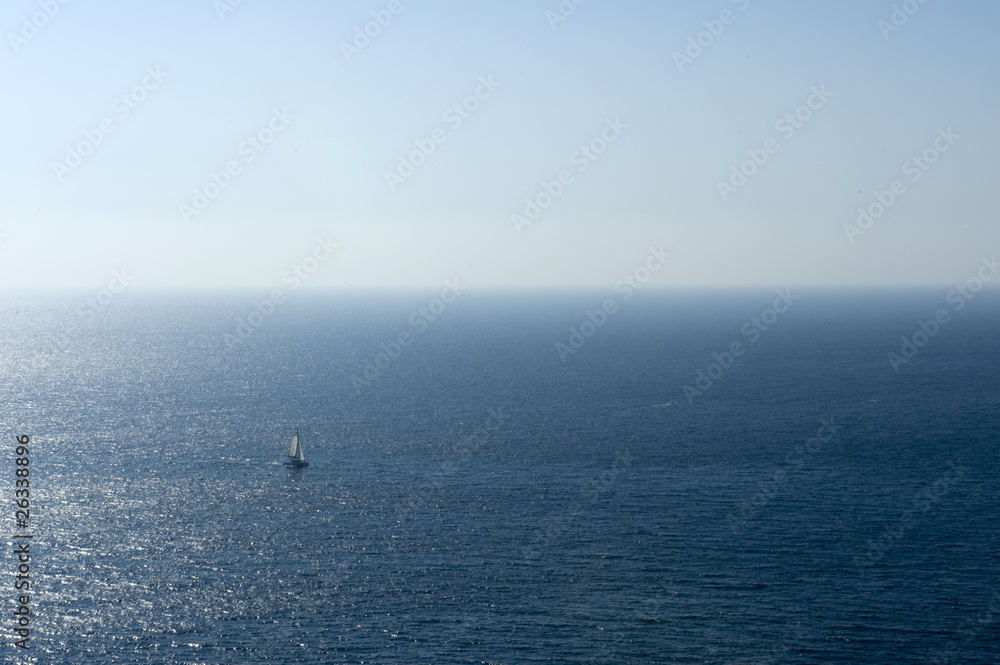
<point>198,81</point>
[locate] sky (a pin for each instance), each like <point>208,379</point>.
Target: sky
<point>585,136</point>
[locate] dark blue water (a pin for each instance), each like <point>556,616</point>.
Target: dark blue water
<point>475,499</point>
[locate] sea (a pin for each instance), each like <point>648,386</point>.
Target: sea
<point>497,478</point>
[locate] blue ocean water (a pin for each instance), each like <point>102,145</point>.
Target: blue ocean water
<point>472,497</point>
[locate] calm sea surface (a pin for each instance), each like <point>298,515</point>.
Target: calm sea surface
<point>472,498</point>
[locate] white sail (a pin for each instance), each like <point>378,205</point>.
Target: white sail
<point>296,456</point>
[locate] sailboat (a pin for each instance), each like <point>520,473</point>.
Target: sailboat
<point>296,456</point>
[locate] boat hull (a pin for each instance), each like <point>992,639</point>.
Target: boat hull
<point>296,463</point>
